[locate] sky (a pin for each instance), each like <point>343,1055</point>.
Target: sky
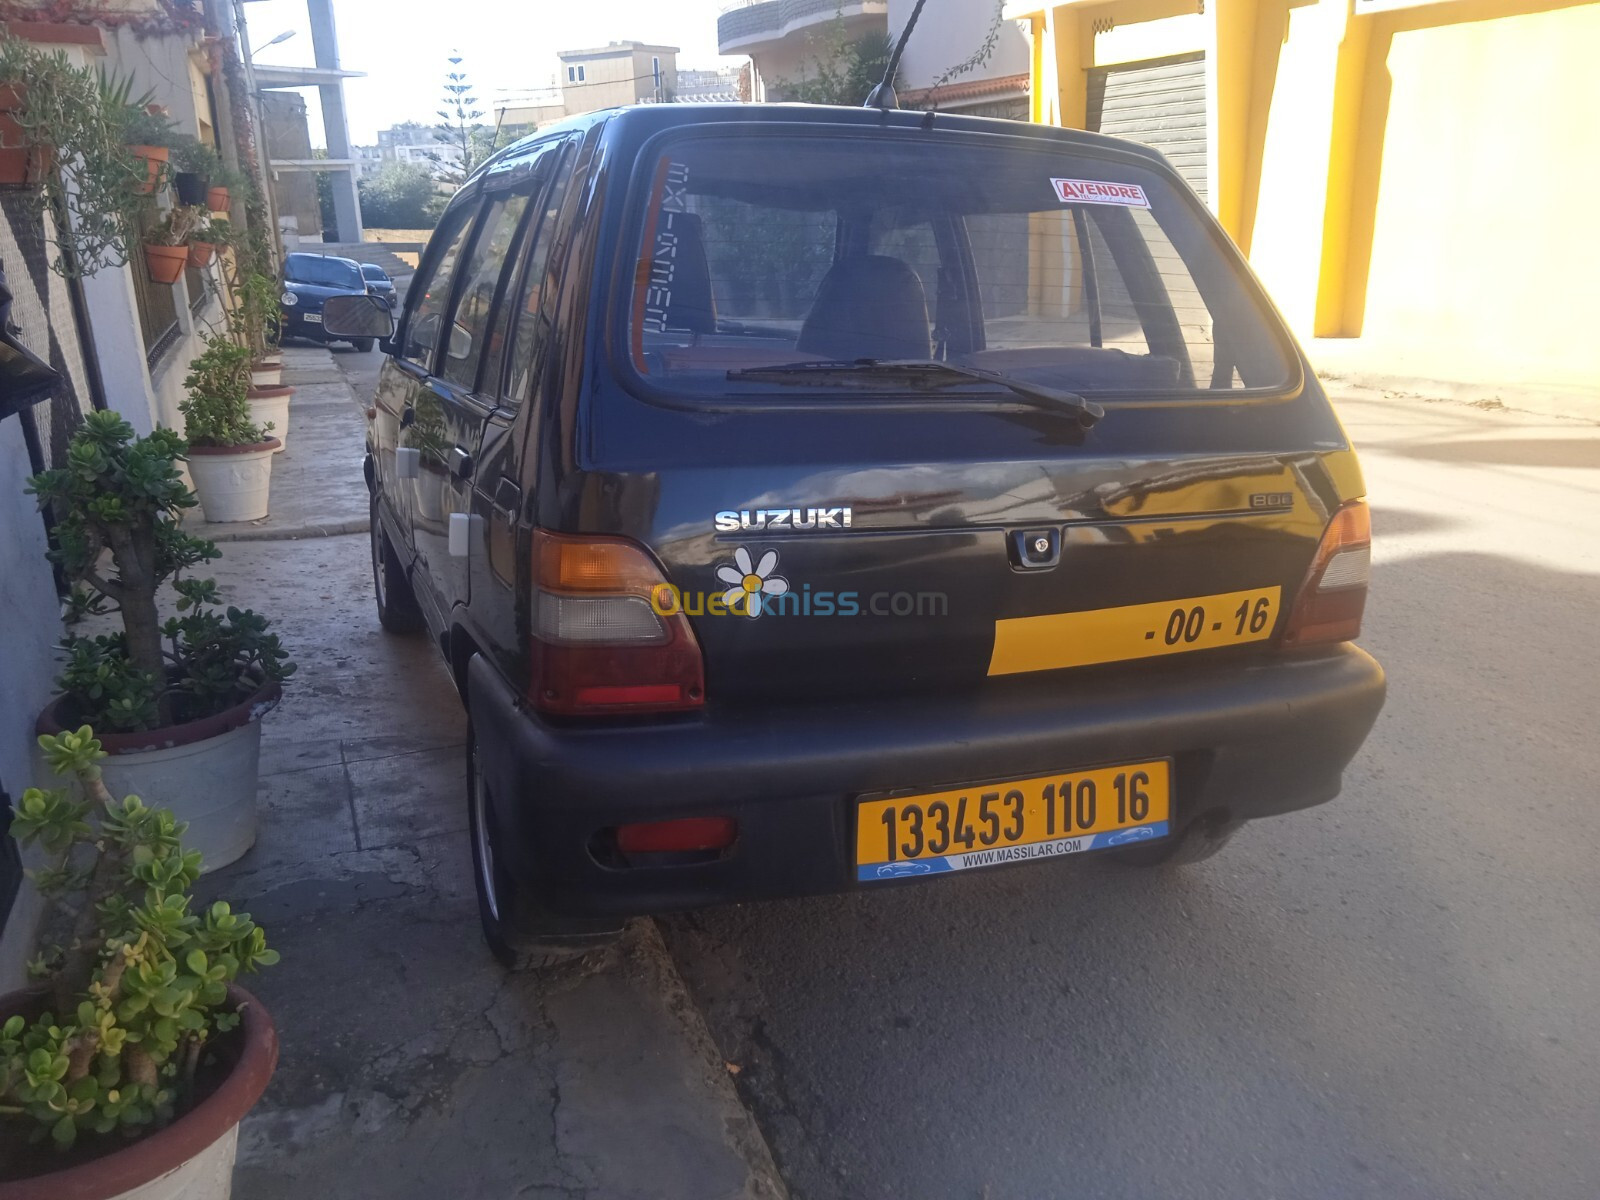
<point>507,47</point>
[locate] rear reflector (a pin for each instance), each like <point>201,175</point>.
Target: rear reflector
<point>691,833</point>
<point>599,646</point>
<point>1334,595</point>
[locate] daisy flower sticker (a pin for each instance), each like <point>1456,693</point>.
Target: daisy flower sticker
<point>750,583</point>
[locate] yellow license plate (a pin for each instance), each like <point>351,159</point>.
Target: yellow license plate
<point>994,823</point>
<point>1104,635</point>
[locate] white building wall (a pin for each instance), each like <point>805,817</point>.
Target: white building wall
<point>949,32</point>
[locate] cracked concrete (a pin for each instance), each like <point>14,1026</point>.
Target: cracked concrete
<point>413,1066</point>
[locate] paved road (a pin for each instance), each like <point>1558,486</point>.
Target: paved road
<point>1394,995</point>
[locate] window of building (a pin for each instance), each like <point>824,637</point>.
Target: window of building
<point>572,74</point>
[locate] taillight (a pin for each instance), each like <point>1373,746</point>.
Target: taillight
<point>1331,601</point>
<point>599,644</point>
<point>685,835</point>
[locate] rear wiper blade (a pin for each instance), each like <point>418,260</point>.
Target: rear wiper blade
<point>930,374</point>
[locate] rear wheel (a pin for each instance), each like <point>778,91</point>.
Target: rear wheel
<point>364,345</point>
<point>397,603</point>
<point>519,933</point>
<point>1198,842</point>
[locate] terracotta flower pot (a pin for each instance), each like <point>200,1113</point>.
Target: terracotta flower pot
<point>155,161</point>
<point>201,253</point>
<point>22,164</point>
<point>166,263</point>
<point>233,481</point>
<point>205,771</point>
<point>217,199</point>
<point>270,405</point>
<point>193,1156</point>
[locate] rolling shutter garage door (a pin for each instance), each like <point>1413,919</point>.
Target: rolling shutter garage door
<point>1162,103</point>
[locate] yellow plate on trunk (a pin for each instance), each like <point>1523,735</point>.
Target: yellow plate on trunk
<point>994,823</point>
<point>1104,635</point>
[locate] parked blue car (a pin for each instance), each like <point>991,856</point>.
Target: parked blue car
<point>379,284</point>
<point>308,281</point>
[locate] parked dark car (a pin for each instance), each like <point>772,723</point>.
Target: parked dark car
<point>379,283</point>
<point>819,499</point>
<point>308,281</point>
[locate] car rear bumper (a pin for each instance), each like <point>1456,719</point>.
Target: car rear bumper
<point>1246,742</point>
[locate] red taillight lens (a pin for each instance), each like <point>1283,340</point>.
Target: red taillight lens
<point>600,645</point>
<point>665,837</point>
<point>1334,595</point>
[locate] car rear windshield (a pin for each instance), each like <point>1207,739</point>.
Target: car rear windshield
<point>325,272</point>
<point>1087,273</point>
<point>374,273</point>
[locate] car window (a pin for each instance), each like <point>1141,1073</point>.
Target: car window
<point>1089,274</point>
<point>430,288</point>
<point>322,272</point>
<point>493,253</point>
<point>374,273</point>
<point>531,312</point>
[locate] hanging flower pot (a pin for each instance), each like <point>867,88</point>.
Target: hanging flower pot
<point>201,253</point>
<point>155,161</point>
<point>22,164</point>
<point>165,263</point>
<point>217,199</point>
<point>190,187</point>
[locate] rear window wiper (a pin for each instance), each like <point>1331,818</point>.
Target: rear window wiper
<point>930,375</point>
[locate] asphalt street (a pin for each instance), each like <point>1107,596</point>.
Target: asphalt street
<point>1392,995</point>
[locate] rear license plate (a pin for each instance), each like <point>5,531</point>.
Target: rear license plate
<point>1106,635</point>
<point>312,318</point>
<point>996,823</point>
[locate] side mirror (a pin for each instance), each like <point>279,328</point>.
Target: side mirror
<point>357,317</point>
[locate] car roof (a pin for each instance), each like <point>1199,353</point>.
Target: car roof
<point>330,257</point>
<point>643,119</point>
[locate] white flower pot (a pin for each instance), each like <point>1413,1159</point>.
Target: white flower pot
<point>190,1159</point>
<point>267,372</point>
<point>233,481</point>
<point>204,771</point>
<point>270,405</point>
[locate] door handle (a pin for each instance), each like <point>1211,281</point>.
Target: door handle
<point>460,463</point>
<point>508,498</point>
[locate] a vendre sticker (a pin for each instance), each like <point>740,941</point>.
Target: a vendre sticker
<point>1094,191</point>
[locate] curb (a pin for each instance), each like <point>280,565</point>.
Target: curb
<point>1565,403</point>
<point>294,533</point>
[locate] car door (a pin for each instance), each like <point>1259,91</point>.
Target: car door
<point>505,474</point>
<point>459,410</point>
<point>413,499</point>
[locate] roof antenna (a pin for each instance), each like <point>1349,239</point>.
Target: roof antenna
<point>883,95</point>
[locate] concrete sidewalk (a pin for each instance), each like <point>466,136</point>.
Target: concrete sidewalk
<point>414,1067</point>
<point>312,492</point>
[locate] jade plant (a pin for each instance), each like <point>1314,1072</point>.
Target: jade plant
<point>122,496</point>
<point>137,983</point>
<point>217,410</point>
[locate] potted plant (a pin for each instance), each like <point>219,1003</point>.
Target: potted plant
<point>195,166</point>
<point>230,452</point>
<point>166,243</point>
<point>136,1057</point>
<point>61,137</point>
<point>256,317</point>
<point>178,703</point>
<point>224,180</point>
<point>208,235</point>
<point>149,136</point>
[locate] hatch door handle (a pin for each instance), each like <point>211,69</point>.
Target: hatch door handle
<point>1034,549</point>
<point>460,462</point>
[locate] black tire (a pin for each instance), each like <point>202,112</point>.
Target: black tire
<point>364,345</point>
<point>1198,842</point>
<point>397,603</point>
<point>520,934</point>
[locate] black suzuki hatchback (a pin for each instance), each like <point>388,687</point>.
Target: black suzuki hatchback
<point>811,499</point>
